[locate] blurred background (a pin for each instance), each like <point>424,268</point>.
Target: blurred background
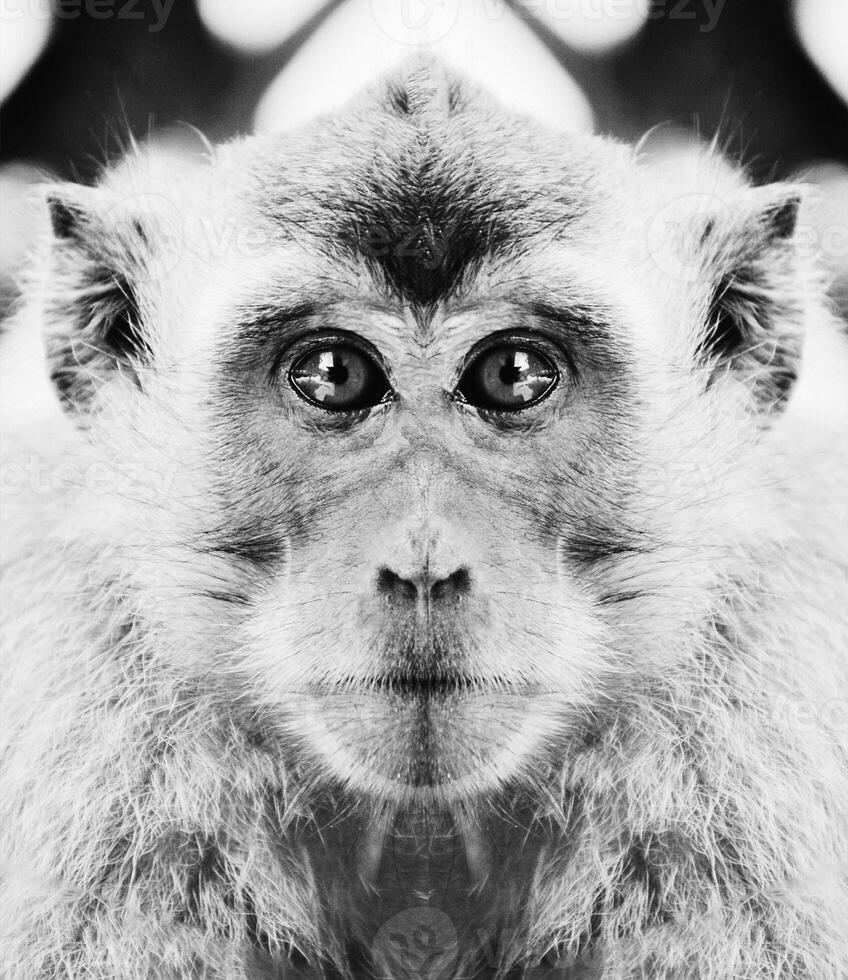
<point>79,77</point>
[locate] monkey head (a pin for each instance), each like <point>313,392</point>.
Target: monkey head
<point>445,412</point>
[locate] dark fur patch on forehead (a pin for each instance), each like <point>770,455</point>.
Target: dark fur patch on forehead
<point>425,211</point>
<point>424,181</point>
<point>425,231</point>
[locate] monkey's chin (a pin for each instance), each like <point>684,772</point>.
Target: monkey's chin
<point>429,747</point>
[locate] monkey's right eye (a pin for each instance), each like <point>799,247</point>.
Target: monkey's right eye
<point>507,378</point>
<point>339,378</point>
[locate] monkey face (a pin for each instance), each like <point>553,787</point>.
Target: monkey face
<point>421,614</point>
<point>426,516</point>
<point>454,520</point>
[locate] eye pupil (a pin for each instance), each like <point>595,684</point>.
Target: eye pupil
<point>332,368</point>
<point>508,378</point>
<point>514,369</point>
<point>339,378</point>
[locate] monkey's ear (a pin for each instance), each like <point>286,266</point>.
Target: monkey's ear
<point>756,310</point>
<point>93,322</point>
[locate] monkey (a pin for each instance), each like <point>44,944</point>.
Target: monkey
<point>424,554</point>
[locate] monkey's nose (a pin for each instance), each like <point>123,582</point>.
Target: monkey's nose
<point>423,588</point>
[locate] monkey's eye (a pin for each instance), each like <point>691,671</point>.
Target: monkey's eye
<point>339,378</point>
<point>507,378</point>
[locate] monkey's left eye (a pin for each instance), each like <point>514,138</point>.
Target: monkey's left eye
<point>339,378</point>
<point>507,378</point>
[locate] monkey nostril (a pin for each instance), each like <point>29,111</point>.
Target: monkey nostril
<point>392,586</point>
<point>448,589</point>
<point>452,587</point>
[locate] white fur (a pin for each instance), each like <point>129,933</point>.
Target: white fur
<point>167,767</point>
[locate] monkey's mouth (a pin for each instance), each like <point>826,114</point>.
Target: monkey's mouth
<point>439,685</point>
<point>411,685</point>
<point>397,730</point>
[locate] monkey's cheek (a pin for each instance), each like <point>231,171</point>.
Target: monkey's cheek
<point>418,748</point>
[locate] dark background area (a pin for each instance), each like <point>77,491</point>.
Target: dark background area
<point>748,79</point>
